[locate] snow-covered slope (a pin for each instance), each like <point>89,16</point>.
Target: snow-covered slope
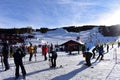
<point>59,36</point>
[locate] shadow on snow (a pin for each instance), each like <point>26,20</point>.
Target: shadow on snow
<point>35,72</point>
<point>70,74</point>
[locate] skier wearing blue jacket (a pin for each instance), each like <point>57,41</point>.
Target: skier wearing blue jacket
<point>100,51</point>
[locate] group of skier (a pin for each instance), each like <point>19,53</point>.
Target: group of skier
<point>97,49</point>
<point>91,55</point>
<point>18,52</point>
<point>52,55</point>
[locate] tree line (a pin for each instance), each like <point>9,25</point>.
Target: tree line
<point>15,30</point>
<point>113,30</point>
<point>75,29</point>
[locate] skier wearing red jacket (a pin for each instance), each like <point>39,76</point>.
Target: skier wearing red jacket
<point>44,51</point>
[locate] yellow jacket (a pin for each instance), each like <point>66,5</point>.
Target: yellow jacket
<point>31,49</point>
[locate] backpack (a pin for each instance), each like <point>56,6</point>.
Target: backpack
<point>21,52</point>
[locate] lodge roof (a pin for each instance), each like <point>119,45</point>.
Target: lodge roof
<point>72,42</point>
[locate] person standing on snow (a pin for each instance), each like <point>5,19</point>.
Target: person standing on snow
<point>35,49</point>
<point>88,56</point>
<point>100,51</point>
<point>107,48</point>
<point>5,54</point>
<point>35,52</point>
<point>11,51</point>
<point>94,50</point>
<point>31,51</point>
<point>45,51</point>
<point>18,55</point>
<point>53,57</point>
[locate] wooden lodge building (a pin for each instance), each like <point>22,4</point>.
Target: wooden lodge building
<point>72,45</point>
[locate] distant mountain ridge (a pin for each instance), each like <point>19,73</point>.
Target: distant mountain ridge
<point>110,30</point>
<point>113,30</point>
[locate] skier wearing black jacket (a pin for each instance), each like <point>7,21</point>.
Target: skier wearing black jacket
<point>5,54</point>
<point>53,57</point>
<point>94,50</point>
<point>18,55</point>
<point>88,56</point>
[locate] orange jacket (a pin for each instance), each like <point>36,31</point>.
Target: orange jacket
<point>31,49</point>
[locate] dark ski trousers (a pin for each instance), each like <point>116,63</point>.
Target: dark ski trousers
<point>31,55</point>
<point>45,56</point>
<point>19,64</point>
<point>88,58</point>
<point>5,60</point>
<point>53,61</point>
<point>99,57</point>
<point>88,61</point>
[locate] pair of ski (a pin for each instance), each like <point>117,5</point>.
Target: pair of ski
<point>50,64</point>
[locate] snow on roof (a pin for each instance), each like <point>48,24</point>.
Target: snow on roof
<point>78,42</point>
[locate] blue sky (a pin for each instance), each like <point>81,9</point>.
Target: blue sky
<point>58,13</point>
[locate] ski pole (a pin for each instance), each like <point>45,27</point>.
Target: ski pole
<point>2,61</point>
<point>35,57</point>
<point>116,56</point>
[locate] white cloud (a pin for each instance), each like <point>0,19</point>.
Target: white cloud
<point>74,12</point>
<point>76,3</point>
<point>110,18</point>
<point>78,10</point>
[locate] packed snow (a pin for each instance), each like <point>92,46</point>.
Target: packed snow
<point>70,67</point>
